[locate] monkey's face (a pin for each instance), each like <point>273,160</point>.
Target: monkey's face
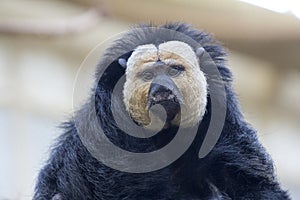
<point>168,75</point>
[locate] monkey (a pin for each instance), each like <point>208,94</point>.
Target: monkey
<point>166,88</point>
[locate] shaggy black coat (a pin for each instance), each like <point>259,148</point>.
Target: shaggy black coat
<point>238,167</point>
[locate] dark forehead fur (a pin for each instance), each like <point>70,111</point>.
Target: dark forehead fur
<point>149,34</point>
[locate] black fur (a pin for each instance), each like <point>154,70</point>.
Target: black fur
<point>238,167</point>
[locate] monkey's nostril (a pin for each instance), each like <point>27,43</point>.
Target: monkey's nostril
<point>160,96</point>
<point>158,91</point>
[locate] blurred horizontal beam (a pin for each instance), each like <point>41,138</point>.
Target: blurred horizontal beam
<point>51,28</point>
<point>270,36</point>
<point>228,19</point>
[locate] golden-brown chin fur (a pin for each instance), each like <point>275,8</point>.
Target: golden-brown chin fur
<point>191,83</point>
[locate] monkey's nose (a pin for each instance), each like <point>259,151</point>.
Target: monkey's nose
<point>158,93</point>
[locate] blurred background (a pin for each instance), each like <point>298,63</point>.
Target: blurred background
<point>43,43</point>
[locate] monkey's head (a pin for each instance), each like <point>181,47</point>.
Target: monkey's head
<point>168,75</point>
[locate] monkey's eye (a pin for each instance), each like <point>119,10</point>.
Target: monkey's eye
<point>147,76</point>
<point>175,70</point>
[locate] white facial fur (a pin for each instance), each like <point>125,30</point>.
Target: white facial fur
<point>192,83</point>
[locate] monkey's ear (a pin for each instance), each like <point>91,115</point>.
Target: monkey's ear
<point>200,52</point>
<point>122,62</point>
